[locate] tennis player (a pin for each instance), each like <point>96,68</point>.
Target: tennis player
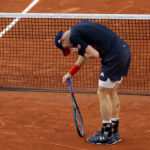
<point>91,39</point>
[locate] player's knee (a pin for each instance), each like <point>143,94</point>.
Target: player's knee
<point>113,93</point>
<point>102,92</point>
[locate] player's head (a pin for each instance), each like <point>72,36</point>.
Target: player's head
<point>59,43</point>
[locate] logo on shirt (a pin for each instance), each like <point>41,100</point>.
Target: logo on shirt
<point>124,45</point>
<point>79,46</point>
<point>102,74</point>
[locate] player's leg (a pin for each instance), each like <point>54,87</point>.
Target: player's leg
<point>105,103</point>
<point>106,111</point>
<point>115,113</point>
<point>115,102</point>
<point>105,90</point>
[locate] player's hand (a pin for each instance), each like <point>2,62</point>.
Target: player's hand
<point>66,77</point>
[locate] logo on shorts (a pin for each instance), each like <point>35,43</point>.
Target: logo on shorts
<point>102,74</point>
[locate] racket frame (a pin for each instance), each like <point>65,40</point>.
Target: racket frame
<point>78,121</point>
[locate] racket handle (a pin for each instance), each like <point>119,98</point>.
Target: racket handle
<point>70,85</point>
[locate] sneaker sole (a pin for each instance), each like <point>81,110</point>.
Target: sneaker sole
<point>118,141</point>
<point>102,143</point>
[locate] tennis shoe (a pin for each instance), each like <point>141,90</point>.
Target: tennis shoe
<point>99,132</point>
<point>116,135</point>
<point>102,139</point>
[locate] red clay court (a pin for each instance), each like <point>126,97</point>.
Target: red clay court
<point>44,120</point>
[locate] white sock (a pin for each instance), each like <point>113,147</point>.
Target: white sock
<point>106,121</point>
<point>114,119</point>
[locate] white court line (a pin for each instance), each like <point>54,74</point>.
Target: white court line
<point>34,2</point>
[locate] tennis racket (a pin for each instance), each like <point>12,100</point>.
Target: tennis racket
<point>77,114</point>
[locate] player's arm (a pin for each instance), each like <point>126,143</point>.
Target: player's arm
<point>91,52</point>
<point>79,63</point>
<point>81,60</point>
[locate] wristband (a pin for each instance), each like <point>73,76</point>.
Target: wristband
<point>74,69</point>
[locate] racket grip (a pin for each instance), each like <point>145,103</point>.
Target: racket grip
<point>70,85</point>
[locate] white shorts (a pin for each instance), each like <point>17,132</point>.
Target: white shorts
<point>108,83</point>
